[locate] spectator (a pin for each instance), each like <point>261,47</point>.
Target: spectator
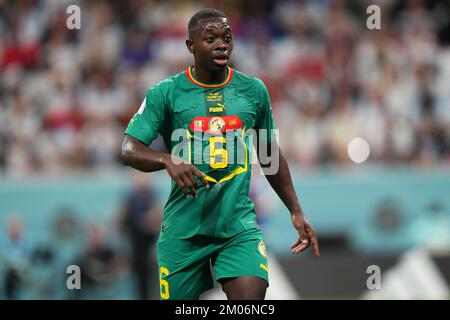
<point>140,220</point>
<point>14,257</point>
<point>99,265</point>
<point>59,86</point>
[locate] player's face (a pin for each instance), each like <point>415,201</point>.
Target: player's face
<point>212,43</point>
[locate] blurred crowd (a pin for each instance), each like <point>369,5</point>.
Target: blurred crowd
<point>115,256</point>
<point>67,95</point>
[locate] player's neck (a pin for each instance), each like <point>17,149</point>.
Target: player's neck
<point>209,77</point>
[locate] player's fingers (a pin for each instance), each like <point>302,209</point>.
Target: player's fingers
<point>300,248</point>
<point>181,185</point>
<point>313,239</point>
<point>303,236</point>
<point>201,176</point>
<point>316,249</point>
<point>189,188</point>
<point>192,184</point>
<point>191,178</point>
<point>296,243</point>
<point>315,245</point>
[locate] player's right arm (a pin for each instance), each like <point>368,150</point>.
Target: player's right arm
<point>149,121</point>
<point>139,156</point>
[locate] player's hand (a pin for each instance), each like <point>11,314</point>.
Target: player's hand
<point>306,234</point>
<point>183,173</point>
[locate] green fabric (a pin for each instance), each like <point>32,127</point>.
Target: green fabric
<point>184,264</point>
<point>224,209</point>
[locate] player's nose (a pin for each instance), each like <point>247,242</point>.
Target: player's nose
<point>221,45</point>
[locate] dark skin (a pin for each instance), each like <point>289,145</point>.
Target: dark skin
<point>212,38</point>
<point>211,43</point>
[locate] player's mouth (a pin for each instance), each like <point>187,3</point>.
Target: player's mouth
<point>221,60</point>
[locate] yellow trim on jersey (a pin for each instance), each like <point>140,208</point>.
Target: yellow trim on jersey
<point>204,85</point>
<point>232,174</point>
<point>235,172</point>
<point>263,266</point>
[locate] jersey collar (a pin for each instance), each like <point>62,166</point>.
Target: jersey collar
<point>204,85</point>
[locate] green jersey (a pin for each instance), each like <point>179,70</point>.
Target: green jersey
<point>207,125</point>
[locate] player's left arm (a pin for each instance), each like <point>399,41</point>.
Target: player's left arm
<point>281,182</point>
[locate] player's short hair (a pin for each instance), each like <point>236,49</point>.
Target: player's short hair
<point>202,14</point>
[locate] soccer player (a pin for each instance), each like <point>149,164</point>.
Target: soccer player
<point>209,219</point>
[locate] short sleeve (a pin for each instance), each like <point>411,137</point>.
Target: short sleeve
<point>147,121</point>
<point>264,122</point>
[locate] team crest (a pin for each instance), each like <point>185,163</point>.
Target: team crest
<point>216,125</point>
<point>262,249</point>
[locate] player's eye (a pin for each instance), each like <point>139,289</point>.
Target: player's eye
<point>210,39</point>
<point>227,38</point>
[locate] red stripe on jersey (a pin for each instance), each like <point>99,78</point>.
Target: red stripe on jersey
<point>215,124</point>
<point>204,85</point>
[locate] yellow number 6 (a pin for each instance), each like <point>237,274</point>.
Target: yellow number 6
<point>213,152</point>
<point>163,283</point>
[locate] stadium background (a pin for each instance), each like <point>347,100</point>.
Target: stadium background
<point>67,95</point>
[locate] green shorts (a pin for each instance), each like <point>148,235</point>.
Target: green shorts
<point>185,264</point>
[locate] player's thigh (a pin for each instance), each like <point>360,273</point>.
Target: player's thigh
<point>244,288</point>
<point>244,255</point>
<point>184,271</point>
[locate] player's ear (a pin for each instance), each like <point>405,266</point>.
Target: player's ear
<point>190,45</point>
